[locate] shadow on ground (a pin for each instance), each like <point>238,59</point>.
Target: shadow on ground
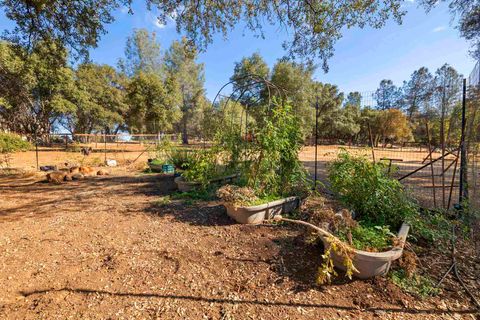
<point>40,198</point>
<point>198,213</point>
<point>240,301</point>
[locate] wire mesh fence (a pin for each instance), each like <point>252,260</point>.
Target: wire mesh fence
<point>441,168</point>
<point>438,168</point>
<point>96,149</point>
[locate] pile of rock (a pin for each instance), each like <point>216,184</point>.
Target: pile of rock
<point>74,173</point>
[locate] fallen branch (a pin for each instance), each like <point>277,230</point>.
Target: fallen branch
<point>342,249</point>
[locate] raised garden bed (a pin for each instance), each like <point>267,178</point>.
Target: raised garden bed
<point>257,214</point>
<point>186,186</point>
<point>367,264</point>
<point>372,264</point>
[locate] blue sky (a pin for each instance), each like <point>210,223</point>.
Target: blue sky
<point>363,57</point>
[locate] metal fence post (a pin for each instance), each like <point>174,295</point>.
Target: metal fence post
<point>316,141</point>
<point>105,146</point>
<point>463,187</point>
<point>36,150</point>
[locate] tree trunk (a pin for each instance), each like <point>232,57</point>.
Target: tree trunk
<point>184,129</point>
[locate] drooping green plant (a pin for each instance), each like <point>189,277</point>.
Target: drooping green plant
<point>367,189</point>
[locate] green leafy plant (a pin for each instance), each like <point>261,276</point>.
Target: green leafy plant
<point>369,238</point>
<point>180,159</point>
<point>204,194</point>
<point>268,160</point>
<point>10,142</point>
<point>278,169</point>
<point>157,162</point>
<point>416,284</point>
<point>433,227</point>
<point>161,151</point>
<point>163,201</point>
<point>202,167</point>
<point>366,188</point>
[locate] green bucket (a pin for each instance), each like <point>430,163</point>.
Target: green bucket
<point>168,168</point>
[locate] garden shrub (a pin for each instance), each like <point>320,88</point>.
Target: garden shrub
<point>269,163</point>
<point>202,167</point>
<point>180,159</point>
<point>10,142</point>
<point>366,188</point>
<point>278,169</point>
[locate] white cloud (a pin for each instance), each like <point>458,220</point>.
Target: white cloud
<point>439,29</point>
<point>158,24</point>
<point>124,9</point>
<point>152,18</point>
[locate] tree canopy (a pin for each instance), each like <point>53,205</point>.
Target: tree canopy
<point>152,106</point>
<point>36,88</point>
<point>387,95</point>
<point>417,92</point>
<point>181,65</point>
<point>314,26</point>
<point>142,54</point>
<point>100,100</point>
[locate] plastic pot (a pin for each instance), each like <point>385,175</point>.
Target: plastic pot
<point>257,214</point>
<point>372,264</point>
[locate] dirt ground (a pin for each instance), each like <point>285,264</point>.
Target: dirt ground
<point>111,248</point>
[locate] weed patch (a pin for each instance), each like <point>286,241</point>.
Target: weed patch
<point>419,285</point>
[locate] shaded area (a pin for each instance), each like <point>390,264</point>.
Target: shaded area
<point>39,198</point>
<point>198,213</point>
<point>239,301</point>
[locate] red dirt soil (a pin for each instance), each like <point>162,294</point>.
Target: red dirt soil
<point>107,248</point>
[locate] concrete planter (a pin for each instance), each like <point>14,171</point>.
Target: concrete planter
<point>185,186</point>
<point>257,214</point>
<point>372,264</point>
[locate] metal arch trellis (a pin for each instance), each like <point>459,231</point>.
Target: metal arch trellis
<point>262,93</point>
<point>250,83</point>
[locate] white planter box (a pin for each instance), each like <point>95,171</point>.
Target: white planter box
<point>257,214</point>
<point>372,264</point>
